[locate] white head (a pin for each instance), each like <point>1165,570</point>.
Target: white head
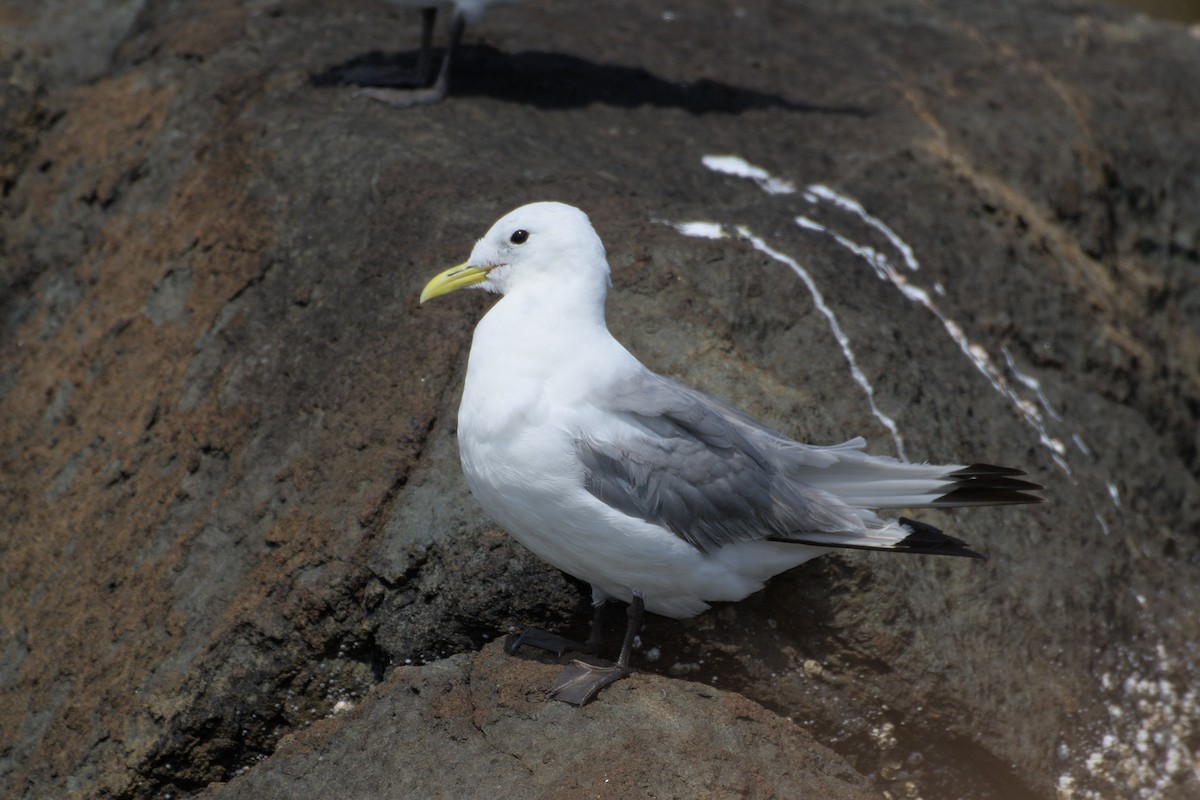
<point>538,244</point>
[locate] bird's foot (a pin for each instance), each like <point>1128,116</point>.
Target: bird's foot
<point>405,98</point>
<point>536,637</point>
<point>579,682</point>
<point>431,92</point>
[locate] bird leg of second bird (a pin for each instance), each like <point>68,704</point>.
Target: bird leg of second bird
<point>383,88</point>
<point>580,682</point>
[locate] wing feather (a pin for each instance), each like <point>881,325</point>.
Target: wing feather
<point>713,475</point>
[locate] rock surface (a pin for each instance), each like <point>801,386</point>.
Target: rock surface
<point>229,491</point>
<point>473,725</point>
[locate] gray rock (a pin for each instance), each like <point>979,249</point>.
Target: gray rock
<point>479,726</point>
<point>229,493</point>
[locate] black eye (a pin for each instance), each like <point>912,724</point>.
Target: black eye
<point>519,237</point>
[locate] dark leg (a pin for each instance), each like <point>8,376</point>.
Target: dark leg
<point>581,682</point>
<point>536,637</point>
<point>391,75</point>
<point>428,18</point>
<point>407,98</point>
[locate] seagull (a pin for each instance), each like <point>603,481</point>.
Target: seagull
<point>656,494</point>
<point>427,89</point>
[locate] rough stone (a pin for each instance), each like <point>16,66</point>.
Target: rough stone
<point>229,493</point>
<point>479,725</point>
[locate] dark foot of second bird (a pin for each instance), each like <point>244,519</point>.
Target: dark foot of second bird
<point>405,98</point>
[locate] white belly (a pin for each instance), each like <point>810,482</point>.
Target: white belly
<point>536,493</point>
<point>523,405</point>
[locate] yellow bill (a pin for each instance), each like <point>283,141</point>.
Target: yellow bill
<point>453,279</point>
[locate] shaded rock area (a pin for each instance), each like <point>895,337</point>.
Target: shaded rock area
<point>230,503</point>
<point>454,727</point>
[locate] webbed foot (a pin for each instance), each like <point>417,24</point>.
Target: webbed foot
<point>430,94</point>
<point>579,682</point>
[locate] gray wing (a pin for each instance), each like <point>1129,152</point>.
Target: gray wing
<point>693,469</point>
<point>713,475</point>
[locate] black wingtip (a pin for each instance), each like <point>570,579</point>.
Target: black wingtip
<point>929,540</point>
<point>922,539</point>
<point>975,470</point>
<point>988,485</point>
<point>971,495</point>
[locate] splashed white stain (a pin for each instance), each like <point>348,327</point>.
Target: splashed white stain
<point>978,356</point>
<point>1145,747</point>
<point>818,191</point>
<point>700,230</point>
<point>1032,382</point>
<point>878,261</point>
<point>714,230</point>
<point>741,168</point>
<point>840,335</point>
<point>1083,448</point>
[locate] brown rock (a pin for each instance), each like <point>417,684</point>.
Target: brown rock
<point>479,725</point>
<point>229,490</point>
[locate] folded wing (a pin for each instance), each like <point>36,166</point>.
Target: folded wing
<point>713,476</point>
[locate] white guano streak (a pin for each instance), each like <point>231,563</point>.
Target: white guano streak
<point>741,168</point>
<point>842,339</point>
<point>700,230</point>
<point>823,192</point>
<point>1032,382</point>
<point>817,193</point>
<point>714,230</point>
<point>885,270</point>
<point>1083,448</point>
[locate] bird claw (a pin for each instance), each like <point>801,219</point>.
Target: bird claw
<point>579,683</point>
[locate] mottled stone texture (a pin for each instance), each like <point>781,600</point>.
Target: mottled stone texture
<point>473,725</point>
<point>229,491</point>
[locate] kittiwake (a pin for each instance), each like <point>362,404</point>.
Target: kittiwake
<point>656,494</point>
